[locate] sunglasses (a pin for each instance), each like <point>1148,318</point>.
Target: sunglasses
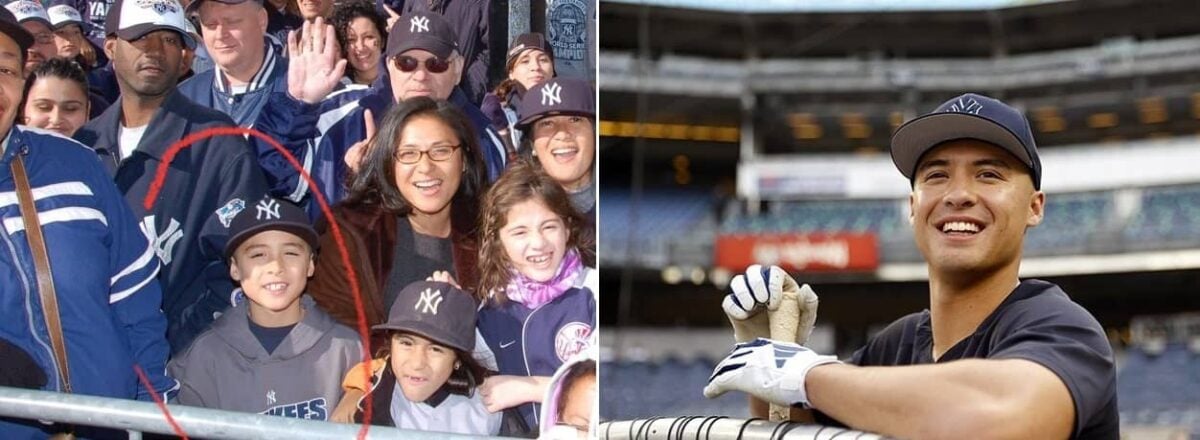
<point>408,64</point>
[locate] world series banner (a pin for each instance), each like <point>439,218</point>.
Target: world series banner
<point>797,252</point>
<point>571,30</point>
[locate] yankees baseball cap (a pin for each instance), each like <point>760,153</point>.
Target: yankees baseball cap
<point>530,41</point>
<point>969,116</point>
<point>131,19</point>
<point>26,10</point>
<point>194,7</point>
<point>11,27</point>
<point>269,214</point>
<point>557,96</point>
<point>62,14</point>
<point>436,310</point>
<point>421,30</point>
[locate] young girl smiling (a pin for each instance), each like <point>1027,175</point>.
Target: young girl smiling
<point>536,285</point>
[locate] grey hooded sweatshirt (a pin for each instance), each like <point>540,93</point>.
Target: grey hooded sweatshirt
<point>228,368</point>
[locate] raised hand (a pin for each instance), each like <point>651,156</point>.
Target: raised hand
<point>314,64</point>
<point>354,155</point>
<point>770,370</point>
<point>392,17</point>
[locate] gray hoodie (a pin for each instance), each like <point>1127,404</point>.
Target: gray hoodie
<point>227,368</point>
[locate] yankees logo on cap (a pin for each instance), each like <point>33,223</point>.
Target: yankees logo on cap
<point>435,310</point>
<point>551,94</point>
<point>269,214</point>
<point>558,96</point>
<point>969,116</point>
<point>429,301</point>
<point>428,32</point>
<point>268,209</point>
<point>418,24</point>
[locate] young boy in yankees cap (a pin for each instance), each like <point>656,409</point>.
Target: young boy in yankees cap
<point>275,352</point>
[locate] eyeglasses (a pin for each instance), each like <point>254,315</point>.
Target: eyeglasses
<point>408,64</point>
<point>409,156</point>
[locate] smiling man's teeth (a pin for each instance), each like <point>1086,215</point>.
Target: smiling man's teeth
<point>275,286</point>
<point>960,227</point>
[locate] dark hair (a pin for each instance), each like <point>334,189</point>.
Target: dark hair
<point>523,181</point>
<point>344,14</point>
<point>508,85</point>
<point>56,68</point>
<point>462,380</point>
<point>375,183</point>
<point>577,371</point>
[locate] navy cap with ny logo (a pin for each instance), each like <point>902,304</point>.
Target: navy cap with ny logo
<point>968,116</point>
<point>267,214</point>
<point>557,96</point>
<point>437,311</point>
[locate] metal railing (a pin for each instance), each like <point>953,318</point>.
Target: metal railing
<point>722,428</point>
<point>141,417</point>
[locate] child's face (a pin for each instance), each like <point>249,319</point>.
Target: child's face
<point>273,268</point>
<point>420,365</point>
<point>577,412</point>
<point>535,239</point>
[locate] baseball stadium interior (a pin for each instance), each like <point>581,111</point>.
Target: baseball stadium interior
<point>731,137</point>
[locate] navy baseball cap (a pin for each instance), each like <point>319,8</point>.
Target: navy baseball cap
<point>9,26</point>
<point>436,310</point>
<point>969,116</point>
<point>131,19</point>
<point>530,41</point>
<point>26,10</point>
<point>268,214</point>
<point>557,96</point>
<point>421,30</point>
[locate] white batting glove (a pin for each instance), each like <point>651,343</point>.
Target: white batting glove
<point>772,371</point>
<point>761,288</point>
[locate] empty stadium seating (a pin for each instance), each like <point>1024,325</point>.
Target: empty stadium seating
<point>1161,389</point>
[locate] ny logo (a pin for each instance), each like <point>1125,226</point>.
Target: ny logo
<point>163,243</point>
<point>268,208</point>
<point>966,106</point>
<point>429,301</point>
<point>418,24</point>
<point>550,94</point>
<point>271,397</point>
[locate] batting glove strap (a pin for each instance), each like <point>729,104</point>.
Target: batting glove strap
<point>796,372</point>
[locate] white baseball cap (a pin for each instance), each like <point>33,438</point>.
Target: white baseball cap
<point>135,18</point>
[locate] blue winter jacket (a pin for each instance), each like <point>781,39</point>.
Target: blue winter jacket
<point>535,342</point>
<point>103,269</point>
<point>211,89</point>
<point>319,135</point>
<point>208,183</point>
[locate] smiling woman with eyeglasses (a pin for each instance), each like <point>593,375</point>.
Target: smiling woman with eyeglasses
<point>410,211</point>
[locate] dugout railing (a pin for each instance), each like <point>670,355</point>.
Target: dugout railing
<point>722,428</point>
<point>145,417</point>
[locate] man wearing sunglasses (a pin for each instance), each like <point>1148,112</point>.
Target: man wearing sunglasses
<point>320,128</point>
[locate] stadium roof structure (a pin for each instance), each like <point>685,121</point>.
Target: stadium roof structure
<point>966,32</point>
<point>778,6</point>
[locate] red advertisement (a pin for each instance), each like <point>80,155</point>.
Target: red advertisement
<point>796,252</point>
